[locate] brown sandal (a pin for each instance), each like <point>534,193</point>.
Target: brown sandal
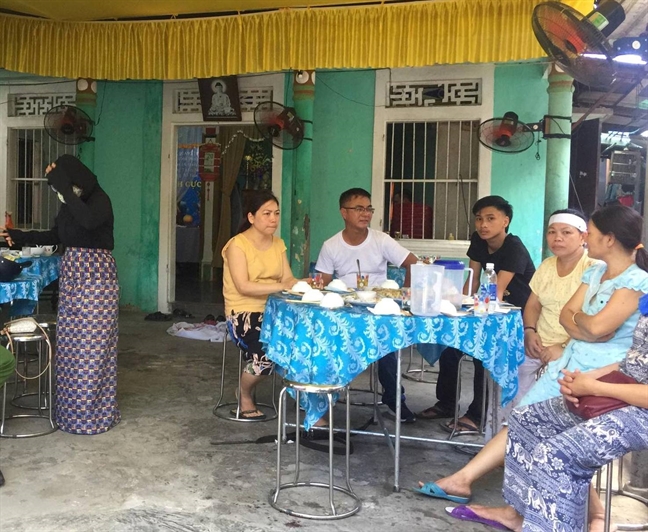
<point>248,414</point>
<point>434,413</point>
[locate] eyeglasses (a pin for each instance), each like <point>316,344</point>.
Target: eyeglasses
<point>360,209</point>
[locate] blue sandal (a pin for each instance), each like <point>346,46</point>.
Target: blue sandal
<point>431,489</point>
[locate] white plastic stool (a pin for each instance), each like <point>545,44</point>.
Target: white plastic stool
<point>296,483</point>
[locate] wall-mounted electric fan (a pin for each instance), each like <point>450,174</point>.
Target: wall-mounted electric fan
<point>506,134</point>
<point>579,43</point>
<point>68,125</point>
<point>279,124</point>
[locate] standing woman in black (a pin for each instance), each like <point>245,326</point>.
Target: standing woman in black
<point>86,329</point>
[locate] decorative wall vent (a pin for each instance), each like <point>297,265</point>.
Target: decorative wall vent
<point>188,100</point>
<point>437,93</point>
<point>37,104</point>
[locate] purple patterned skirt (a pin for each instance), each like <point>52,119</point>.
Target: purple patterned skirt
<point>86,342</point>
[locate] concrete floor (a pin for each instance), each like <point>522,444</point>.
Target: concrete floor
<point>160,470</point>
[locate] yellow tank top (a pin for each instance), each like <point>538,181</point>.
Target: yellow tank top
<point>263,267</point>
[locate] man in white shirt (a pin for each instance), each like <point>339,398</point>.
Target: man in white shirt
<point>339,256</point>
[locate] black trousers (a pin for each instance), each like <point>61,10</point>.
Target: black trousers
<point>387,378</point>
<point>446,388</point>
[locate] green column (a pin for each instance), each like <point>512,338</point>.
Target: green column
<point>558,122</point>
<point>304,97</point>
<point>86,100</point>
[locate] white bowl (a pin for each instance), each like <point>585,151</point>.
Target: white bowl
<point>390,284</point>
<point>337,285</point>
<point>366,295</point>
<point>332,300</point>
<point>302,287</point>
<point>386,307</point>
<point>313,296</point>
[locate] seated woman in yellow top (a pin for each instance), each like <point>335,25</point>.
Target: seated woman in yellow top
<point>254,266</point>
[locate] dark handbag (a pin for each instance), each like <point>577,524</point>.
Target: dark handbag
<point>590,406</point>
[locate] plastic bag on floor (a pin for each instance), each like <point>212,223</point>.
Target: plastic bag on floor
<point>199,331</point>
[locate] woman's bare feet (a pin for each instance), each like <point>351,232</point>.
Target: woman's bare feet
<point>505,515</point>
<point>455,484</point>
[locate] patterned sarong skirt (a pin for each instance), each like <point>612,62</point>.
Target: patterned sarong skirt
<point>86,342</point>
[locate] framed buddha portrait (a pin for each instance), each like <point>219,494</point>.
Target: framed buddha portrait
<point>219,99</point>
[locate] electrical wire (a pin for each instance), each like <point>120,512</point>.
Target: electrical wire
<point>373,106</point>
<point>103,99</point>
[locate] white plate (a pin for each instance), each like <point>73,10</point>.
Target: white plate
<point>327,289</point>
<point>373,311</point>
<point>457,313</point>
<point>359,303</point>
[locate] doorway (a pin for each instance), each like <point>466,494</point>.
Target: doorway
<point>212,162</point>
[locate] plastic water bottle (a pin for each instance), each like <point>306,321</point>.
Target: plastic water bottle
<point>489,281</point>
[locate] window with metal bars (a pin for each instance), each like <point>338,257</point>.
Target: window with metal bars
<point>431,177</point>
<point>29,152</point>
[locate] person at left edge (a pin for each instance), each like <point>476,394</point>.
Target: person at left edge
<point>374,250</point>
<point>86,326</point>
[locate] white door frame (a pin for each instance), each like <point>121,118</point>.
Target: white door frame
<point>384,114</point>
<point>170,122</point>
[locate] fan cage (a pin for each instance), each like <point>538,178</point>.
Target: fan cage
<point>68,125</point>
<point>279,124</point>
<point>496,135</point>
<point>574,43</point>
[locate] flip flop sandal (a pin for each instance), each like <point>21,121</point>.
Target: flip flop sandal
<point>182,313</point>
<point>248,414</point>
<point>462,427</point>
<point>433,413</point>
<point>158,316</point>
<point>466,514</point>
<point>431,489</point>
<point>318,441</point>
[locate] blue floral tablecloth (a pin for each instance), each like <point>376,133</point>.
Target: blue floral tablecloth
<point>311,344</point>
<point>23,291</point>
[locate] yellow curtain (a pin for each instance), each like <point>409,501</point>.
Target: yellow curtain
<point>232,140</point>
<point>377,36</point>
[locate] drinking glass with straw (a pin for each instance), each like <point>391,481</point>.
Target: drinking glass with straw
<point>362,281</point>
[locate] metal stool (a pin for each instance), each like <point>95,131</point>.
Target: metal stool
<point>330,486</point>
<point>373,378</point>
<point>482,425</point>
<point>20,400</point>
<point>44,397</point>
<point>420,372</point>
<point>620,491</point>
<point>222,410</point>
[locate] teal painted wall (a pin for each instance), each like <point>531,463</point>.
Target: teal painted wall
<point>343,122</point>
<point>127,162</point>
<point>520,178</point>
<point>342,129</point>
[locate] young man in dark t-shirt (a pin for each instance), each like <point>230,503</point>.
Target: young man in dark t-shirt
<point>514,267</point>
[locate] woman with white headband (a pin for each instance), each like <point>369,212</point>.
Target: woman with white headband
<point>604,305</point>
